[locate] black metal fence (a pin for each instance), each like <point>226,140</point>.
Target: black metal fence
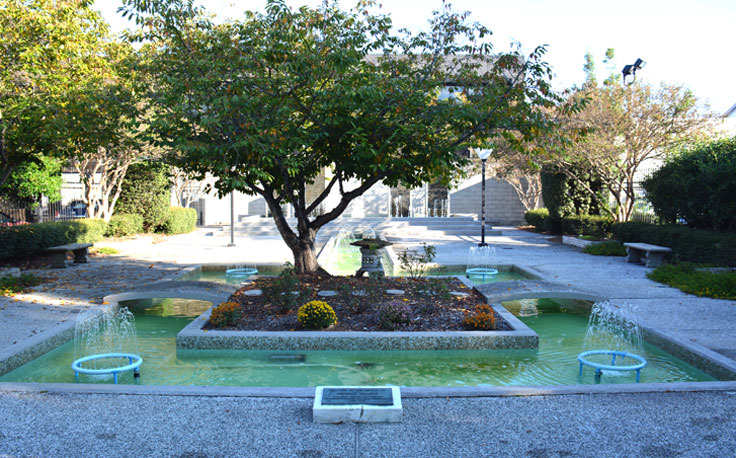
<point>49,211</point>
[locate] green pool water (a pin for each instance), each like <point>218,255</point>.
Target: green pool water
<point>561,327</point>
<point>218,273</point>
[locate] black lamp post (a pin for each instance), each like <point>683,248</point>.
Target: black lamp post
<point>631,70</point>
<point>483,155</point>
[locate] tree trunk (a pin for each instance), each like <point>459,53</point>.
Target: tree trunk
<point>305,257</point>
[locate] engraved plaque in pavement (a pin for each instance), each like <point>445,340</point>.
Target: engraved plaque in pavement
<point>367,396</point>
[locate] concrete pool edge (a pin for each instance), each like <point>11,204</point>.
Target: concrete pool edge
<point>406,392</point>
<point>29,349</point>
<point>194,337</point>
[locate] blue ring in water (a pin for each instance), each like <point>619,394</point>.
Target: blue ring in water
<point>480,272</point>
<point>241,272</point>
<point>134,362</point>
<point>599,368</point>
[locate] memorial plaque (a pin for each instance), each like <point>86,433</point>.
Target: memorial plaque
<point>349,396</point>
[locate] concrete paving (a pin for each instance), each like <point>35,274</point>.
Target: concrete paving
<point>52,423</point>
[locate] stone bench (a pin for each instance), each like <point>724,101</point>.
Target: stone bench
<point>58,259</point>
<point>653,254</point>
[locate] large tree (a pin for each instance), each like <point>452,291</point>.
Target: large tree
<point>266,103</point>
<point>47,47</point>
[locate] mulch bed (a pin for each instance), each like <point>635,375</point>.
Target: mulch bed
<point>359,302</point>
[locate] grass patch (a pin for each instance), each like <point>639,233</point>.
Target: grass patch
<point>104,250</point>
<point>611,248</point>
<point>688,278</point>
<point>9,285</point>
<point>589,237</point>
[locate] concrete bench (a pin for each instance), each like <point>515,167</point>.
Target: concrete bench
<point>59,254</point>
<point>654,254</point>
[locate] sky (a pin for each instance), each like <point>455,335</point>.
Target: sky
<point>685,42</point>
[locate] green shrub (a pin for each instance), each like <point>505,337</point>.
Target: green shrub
<point>565,197</point>
<point>123,224</point>
<point>28,239</point>
<point>597,226</point>
<point>179,221</point>
<point>688,278</point>
<point>610,248</point>
<point>146,192</point>
<point>697,185</point>
<point>316,315</point>
<point>538,218</point>
<point>688,244</point>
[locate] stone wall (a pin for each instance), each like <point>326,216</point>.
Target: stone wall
<point>502,203</point>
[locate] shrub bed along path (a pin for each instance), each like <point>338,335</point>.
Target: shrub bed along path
<point>360,304</point>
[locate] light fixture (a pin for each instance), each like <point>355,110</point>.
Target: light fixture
<point>630,70</point>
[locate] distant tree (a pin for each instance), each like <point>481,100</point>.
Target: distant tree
<point>187,189</point>
<point>102,124</point>
<point>267,103</point>
<point>627,125</point>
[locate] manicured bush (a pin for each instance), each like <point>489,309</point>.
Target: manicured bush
<point>564,197</point>
<point>179,221</point>
<point>482,318</point>
<point>597,226</point>
<point>688,278</point>
<point>698,186</point>
<point>688,244</point>
<point>316,315</point>
<point>394,315</point>
<point>123,224</point>
<point>146,192</point>
<point>225,314</point>
<point>538,218</point>
<point>30,239</point>
<point>610,248</point>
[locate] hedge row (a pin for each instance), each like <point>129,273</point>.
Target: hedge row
<point>179,221</point>
<point>598,226</point>
<point>688,244</point>
<point>123,224</point>
<point>27,239</point>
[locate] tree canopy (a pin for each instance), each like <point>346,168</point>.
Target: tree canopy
<point>626,125</point>
<point>266,103</point>
<point>48,47</point>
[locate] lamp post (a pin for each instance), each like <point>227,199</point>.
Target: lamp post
<point>631,70</point>
<point>232,219</point>
<point>483,155</point>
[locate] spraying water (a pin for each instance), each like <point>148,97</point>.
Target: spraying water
<point>612,328</point>
<point>105,331</point>
<point>482,261</point>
